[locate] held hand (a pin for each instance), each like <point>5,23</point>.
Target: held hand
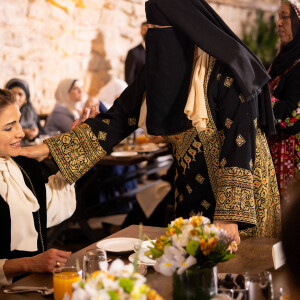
<point>232,229</point>
<point>39,152</point>
<point>47,261</point>
<point>87,113</point>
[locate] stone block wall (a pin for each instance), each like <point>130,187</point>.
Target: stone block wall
<point>44,41</point>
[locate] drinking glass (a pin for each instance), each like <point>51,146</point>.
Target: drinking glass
<point>94,260</point>
<point>259,286</point>
<point>63,279</point>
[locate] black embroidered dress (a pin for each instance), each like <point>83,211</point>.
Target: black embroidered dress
<point>226,171</point>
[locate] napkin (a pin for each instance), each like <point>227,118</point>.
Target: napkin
<point>150,197</point>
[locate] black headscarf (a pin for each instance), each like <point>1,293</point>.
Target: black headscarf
<point>195,22</point>
<point>15,82</point>
<point>290,52</point>
<point>29,117</point>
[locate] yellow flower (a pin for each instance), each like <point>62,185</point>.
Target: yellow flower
<point>196,220</point>
<point>152,295</point>
<point>178,222</point>
<point>171,231</point>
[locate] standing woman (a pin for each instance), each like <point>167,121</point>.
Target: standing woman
<point>285,91</point>
<point>27,205</point>
<point>68,106</point>
<point>30,121</point>
<point>207,95</point>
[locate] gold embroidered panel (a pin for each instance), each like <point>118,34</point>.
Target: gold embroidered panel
<point>75,152</point>
<point>266,192</point>
<point>184,147</point>
<point>235,200</point>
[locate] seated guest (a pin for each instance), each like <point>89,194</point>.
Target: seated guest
<point>27,205</point>
<point>29,121</point>
<point>68,108</point>
<point>291,241</point>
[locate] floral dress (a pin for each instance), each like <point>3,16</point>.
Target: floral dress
<point>285,146</point>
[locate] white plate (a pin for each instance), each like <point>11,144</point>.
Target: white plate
<point>148,262</point>
<point>124,153</point>
<point>117,245</point>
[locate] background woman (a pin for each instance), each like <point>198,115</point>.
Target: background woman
<point>30,121</point>
<point>27,205</point>
<point>68,108</point>
<point>285,90</point>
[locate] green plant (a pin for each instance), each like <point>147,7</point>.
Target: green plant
<point>261,37</point>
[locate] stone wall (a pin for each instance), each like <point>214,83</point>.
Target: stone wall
<point>44,41</point>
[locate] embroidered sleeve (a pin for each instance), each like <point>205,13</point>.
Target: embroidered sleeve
<point>75,152</point>
<point>235,199</point>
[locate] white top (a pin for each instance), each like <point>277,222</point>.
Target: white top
<point>61,204</point>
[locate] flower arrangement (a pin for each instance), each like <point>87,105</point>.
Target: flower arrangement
<point>189,242</point>
<point>120,282</point>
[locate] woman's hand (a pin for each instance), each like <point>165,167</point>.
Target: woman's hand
<point>47,261</point>
<point>88,112</point>
<point>41,263</point>
<point>232,229</point>
<point>39,152</point>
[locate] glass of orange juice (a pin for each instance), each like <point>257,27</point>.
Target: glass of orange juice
<point>63,279</point>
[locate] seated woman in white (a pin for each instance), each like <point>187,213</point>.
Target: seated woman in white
<point>28,205</point>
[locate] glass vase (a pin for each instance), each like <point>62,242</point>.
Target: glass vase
<point>195,283</point>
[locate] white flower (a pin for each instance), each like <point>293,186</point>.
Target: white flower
<point>119,269</point>
<point>169,261</point>
<point>191,260</point>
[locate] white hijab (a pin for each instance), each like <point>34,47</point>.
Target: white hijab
<point>62,96</point>
<point>22,203</point>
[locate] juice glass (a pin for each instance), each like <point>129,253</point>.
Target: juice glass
<point>63,279</point>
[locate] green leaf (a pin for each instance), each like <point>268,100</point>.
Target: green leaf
<point>192,247</point>
<point>113,295</point>
<point>127,284</point>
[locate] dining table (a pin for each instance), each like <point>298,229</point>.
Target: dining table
<point>254,255</point>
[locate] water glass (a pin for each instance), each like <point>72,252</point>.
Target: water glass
<point>94,260</point>
<point>259,286</point>
<point>63,279</point>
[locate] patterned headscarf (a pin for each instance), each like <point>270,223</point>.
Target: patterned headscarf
<point>295,4</point>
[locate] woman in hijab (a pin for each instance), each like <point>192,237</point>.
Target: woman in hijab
<point>285,90</point>
<point>30,121</point>
<point>207,95</point>
<point>68,106</point>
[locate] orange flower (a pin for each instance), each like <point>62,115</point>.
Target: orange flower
<point>196,220</point>
<point>171,231</point>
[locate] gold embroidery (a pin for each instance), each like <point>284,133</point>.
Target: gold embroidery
<point>75,152</point>
<point>242,98</point>
<point>176,193</point>
<point>266,192</point>
<point>228,123</point>
<point>228,81</point>
<point>235,199</point>
<point>132,121</point>
<point>205,204</point>
<point>199,178</point>
<point>102,136</point>
<point>106,121</point>
<point>223,162</point>
<point>240,140</point>
<point>189,189</point>
<point>218,76</point>
<point>182,146</point>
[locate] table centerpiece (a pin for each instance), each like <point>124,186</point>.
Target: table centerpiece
<point>190,252</point>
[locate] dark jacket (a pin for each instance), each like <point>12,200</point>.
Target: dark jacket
<point>134,62</point>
